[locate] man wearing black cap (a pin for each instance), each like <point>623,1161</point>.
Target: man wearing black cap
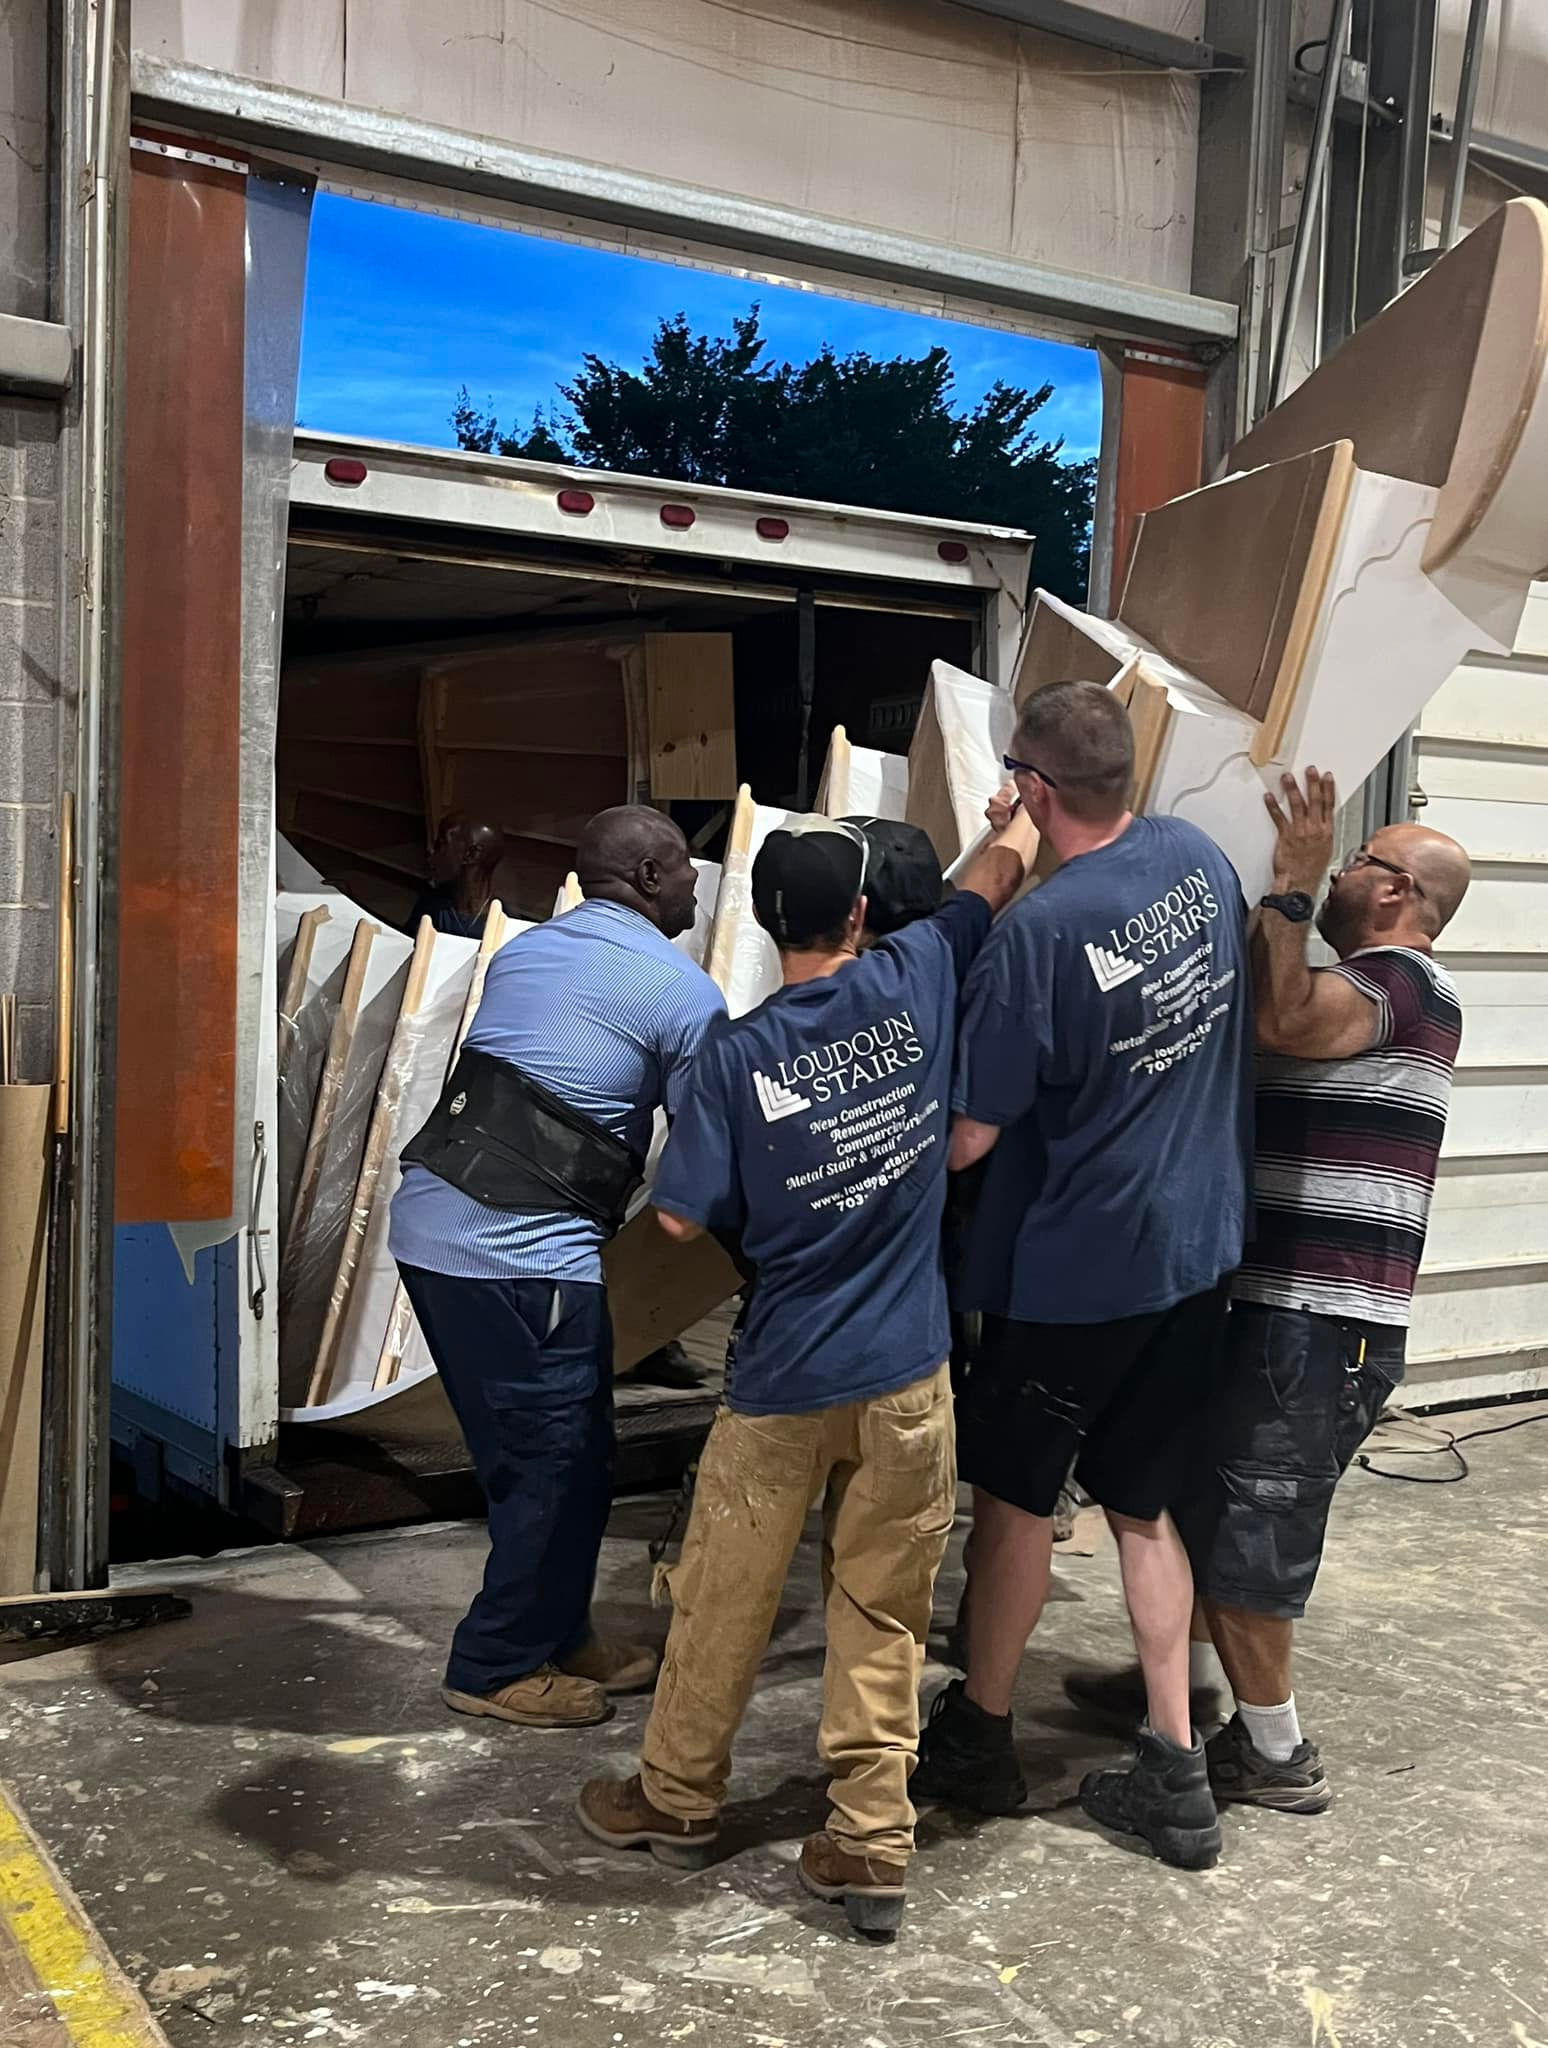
<point>816,1133</point>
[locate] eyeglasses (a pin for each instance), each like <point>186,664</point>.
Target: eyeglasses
<point>1014,767</point>
<point>1361,858</point>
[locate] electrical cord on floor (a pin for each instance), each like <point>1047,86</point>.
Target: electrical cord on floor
<point>1448,1448</point>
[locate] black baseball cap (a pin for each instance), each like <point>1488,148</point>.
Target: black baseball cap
<point>903,879</point>
<point>806,877</point>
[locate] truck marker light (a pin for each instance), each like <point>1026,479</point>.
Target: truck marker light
<point>952,551</point>
<point>578,502</point>
<point>677,515</point>
<point>773,529</point>
<point>344,469</point>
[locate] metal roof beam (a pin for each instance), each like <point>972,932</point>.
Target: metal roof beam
<point>403,146</point>
<point>1109,32</point>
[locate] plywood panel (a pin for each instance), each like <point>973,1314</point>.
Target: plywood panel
<point>690,715</point>
<point>529,794</point>
<point>307,1023</point>
<point>1260,542</point>
<point>550,696</point>
<point>360,1302</point>
<point>24,1122</point>
<point>1389,389</point>
<point>955,762</point>
<point>362,1028</point>
<point>1058,648</point>
<point>1150,714</point>
<point>181,699</point>
<point>656,1289</point>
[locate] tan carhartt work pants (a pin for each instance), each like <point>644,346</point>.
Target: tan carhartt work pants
<point>890,1473</point>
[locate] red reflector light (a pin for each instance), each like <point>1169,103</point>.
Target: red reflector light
<point>773,529</point>
<point>344,469</point>
<point>578,502</point>
<point>677,515</point>
<point>953,551</point>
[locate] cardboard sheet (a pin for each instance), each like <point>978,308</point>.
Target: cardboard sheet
<point>24,1121</point>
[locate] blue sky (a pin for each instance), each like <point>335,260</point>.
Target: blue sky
<point>402,308</point>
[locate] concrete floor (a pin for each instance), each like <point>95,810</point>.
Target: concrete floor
<point>284,1837</point>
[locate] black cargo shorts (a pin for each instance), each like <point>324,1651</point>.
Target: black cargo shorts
<point>1298,1394</point>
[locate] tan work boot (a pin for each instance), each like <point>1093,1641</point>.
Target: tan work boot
<point>545,1698</point>
<point>618,1813</point>
<point>870,1891</point>
<point>616,1667</point>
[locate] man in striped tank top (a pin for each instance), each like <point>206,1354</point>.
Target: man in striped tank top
<point>1353,1085</point>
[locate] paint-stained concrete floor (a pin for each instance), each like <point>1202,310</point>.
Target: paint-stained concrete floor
<point>285,1838</point>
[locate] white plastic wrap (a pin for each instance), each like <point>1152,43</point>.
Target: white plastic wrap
<point>956,761</point>
<point>706,890</point>
<point>743,959</point>
<point>365,1279</point>
<point>341,1113</point>
<point>379,1350</point>
<point>862,782</point>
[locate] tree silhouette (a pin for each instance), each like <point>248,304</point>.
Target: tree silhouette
<point>847,429</point>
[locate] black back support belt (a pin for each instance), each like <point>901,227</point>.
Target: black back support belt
<point>510,1143</point>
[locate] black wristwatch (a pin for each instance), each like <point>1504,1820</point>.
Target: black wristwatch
<point>1296,905</point>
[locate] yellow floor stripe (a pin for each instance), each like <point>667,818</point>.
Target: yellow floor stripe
<point>97,2008</point>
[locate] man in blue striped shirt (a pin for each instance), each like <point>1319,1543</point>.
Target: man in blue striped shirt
<point>600,1009</point>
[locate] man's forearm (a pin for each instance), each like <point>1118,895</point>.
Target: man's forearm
<point>1000,867</point>
<point>1281,975</point>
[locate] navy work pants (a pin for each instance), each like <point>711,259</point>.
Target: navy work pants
<point>528,1368</point>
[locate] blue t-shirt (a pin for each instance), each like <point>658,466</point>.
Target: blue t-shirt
<point>607,1014</point>
<point>814,1129</point>
<point>1107,1031</point>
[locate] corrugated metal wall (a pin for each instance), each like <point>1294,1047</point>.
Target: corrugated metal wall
<point>1481,1316</point>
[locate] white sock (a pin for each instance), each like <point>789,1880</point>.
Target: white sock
<point>1205,1670</point>
<point>1275,1731</point>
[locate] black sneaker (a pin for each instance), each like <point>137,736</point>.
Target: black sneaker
<point>967,1758</point>
<point>1243,1774</point>
<point>1118,1697</point>
<point>1164,1798</point>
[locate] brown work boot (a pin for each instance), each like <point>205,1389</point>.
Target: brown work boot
<point>616,1667</point>
<point>870,1891</point>
<point>616,1811</point>
<point>545,1698</point>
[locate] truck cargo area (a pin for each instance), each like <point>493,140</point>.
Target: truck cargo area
<point>526,645</point>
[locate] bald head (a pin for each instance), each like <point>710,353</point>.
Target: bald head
<point>465,845</point>
<point>1402,888</point>
<point>1437,863</point>
<point>632,855</point>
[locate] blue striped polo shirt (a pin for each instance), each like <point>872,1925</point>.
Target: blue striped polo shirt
<point>604,1011</point>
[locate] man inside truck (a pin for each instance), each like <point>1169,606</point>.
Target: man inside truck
<point>587,1026</point>
<point>462,868</point>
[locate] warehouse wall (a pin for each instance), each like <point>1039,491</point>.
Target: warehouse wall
<point>31,721</point>
<point>1481,760</point>
<point>906,115</point>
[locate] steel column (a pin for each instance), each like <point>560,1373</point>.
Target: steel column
<point>1237,203</point>
<point>92,55</point>
<point>1311,194</point>
<point>1462,132</point>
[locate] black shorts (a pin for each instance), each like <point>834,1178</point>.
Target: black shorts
<point>1119,1401</point>
<point>1298,1396</point>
